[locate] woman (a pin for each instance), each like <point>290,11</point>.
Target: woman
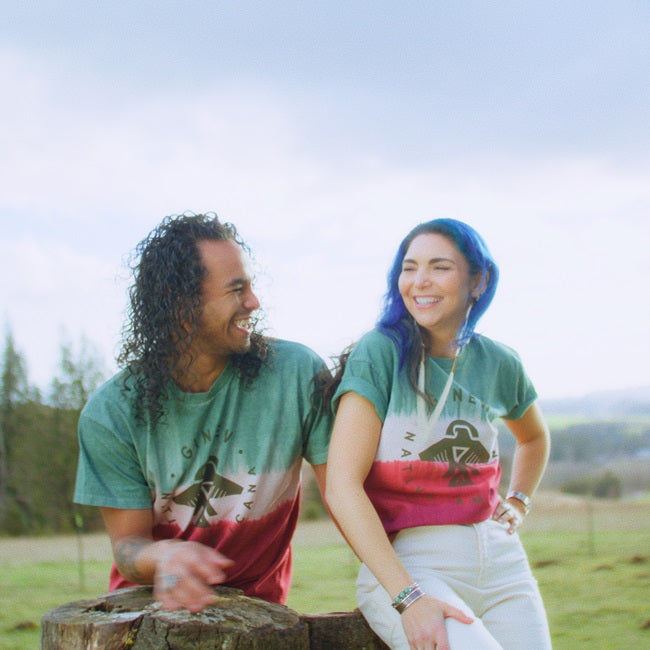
<point>413,468</point>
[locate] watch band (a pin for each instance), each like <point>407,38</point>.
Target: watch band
<point>520,496</point>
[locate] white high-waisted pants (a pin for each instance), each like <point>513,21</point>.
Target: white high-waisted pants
<point>480,569</point>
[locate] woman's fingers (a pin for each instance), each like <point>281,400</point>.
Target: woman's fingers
<point>507,514</point>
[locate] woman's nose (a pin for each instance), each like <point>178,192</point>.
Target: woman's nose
<point>421,279</point>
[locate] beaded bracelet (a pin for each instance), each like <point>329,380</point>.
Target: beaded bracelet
<point>404,593</point>
<point>408,600</point>
<point>406,597</point>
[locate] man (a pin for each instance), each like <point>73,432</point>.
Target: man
<point>193,452</point>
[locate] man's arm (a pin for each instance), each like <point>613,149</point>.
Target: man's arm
<point>130,533</point>
<point>180,571</point>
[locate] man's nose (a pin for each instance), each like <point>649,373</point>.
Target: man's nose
<point>252,302</point>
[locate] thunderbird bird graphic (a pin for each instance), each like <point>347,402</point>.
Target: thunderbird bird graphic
<point>209,485</point>
<point>459,447</point>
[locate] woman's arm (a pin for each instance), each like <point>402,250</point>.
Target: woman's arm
<point>529,462</point>
<point>352,450</point>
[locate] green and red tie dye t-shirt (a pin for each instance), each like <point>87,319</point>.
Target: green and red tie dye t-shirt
<point>221,468</point>
<point>448,473</point>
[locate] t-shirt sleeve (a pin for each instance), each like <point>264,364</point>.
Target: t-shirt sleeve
<point>108,472</point>
<point>521,387</point>
<point>317,425</point>
<point>369,372</point>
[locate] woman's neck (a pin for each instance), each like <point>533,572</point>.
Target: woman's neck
<point>440,345</point>
<point>442,350</point>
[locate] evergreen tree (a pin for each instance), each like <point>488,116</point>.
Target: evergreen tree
<point>81,373</point>
<point>14,390</point>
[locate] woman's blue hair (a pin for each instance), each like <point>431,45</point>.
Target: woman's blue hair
<point>394,319</point>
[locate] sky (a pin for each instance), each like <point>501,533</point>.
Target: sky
<point>325,131</point>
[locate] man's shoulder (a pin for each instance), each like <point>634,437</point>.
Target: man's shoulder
<point>292,352</point>
<point>117,393</point>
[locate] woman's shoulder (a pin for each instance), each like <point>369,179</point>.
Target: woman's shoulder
<point>492,345</point>
<point>374,344</point>
<point>495,350</point>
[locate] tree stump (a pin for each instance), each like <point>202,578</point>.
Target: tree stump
<point>341,631</point>
<point>129,618</point>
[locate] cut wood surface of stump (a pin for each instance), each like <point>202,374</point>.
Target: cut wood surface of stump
<point>130,618</point>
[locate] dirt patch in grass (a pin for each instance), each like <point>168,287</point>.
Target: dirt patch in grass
<point>18,550</point>
<point>556,511</point>
<point>540,564</point>
<point>25,625</point>
<point>551,511</point>
<point>97,547</point>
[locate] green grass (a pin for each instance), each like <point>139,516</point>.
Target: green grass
<point>28,590</point>
<point>594,600</point>
<point>323,580</point>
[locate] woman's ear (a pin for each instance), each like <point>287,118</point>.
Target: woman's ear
<point>480,285</point>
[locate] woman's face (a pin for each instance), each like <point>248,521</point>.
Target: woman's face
<point>436,286</point>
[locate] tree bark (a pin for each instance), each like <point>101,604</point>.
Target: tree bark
<point>341,631</point>
<point>129,618</point>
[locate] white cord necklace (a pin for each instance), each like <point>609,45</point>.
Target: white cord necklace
<point>425,422</point>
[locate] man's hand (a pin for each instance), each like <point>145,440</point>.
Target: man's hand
<point>184,574</point>
<point>181,572</point>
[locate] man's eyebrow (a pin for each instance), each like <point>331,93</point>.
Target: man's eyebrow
<point>237,282</point>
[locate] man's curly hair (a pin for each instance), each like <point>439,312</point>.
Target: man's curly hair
<point>165,309</point>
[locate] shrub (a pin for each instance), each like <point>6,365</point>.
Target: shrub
<point>602,486</point>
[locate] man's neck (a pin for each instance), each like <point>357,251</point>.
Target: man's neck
<point>201,374</point>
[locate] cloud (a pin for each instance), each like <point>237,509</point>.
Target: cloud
<point>53,294</point>
<point>88,171</point>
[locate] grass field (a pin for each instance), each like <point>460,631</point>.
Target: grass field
<point>592,562</point>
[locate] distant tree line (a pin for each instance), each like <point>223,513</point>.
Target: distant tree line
<point>38,442</point>
<point>600,441</point>
<point>38,446</point>
<point>593,442</point>
<point>600,458</point>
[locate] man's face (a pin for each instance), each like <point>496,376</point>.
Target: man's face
<point>228,301</point>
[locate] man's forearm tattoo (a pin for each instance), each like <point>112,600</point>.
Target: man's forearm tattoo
<point>126,554</point>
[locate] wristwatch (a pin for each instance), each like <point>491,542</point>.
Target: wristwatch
<point>520,496</point>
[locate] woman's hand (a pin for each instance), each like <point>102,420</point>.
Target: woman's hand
<point>424,623</point>
<point>510,512</point>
